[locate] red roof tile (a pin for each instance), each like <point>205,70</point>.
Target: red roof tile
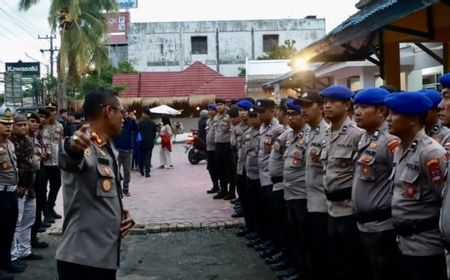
<point>197,79</point>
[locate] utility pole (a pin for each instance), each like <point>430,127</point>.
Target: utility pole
<point>52,50</point>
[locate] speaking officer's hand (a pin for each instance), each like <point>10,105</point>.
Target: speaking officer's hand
<point>80,140</point>
<point>127,223</point>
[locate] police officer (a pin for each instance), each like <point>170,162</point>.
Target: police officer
<point>24,150</point>
<point>235,120</point>
<point>243,107</point>
<point>251,170</point>
<point>295,191</point>
<point>222,154</point>
<point>317,235</point>
<point>433,127</point>
<point>52,135</point>
<point>339,149</point>
<point>210,149</point>
<point>444,105</point>
<point>95,221</point>
<point>269,131</point>
<point>371,194</point>
<point>419,178</point>
<point>8,196</point>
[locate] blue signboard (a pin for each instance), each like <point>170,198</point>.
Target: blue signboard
<point>127,4</point>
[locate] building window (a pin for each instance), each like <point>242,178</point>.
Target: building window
<point>431,81</point>
<point>270,42</point>
<point>199,45</point>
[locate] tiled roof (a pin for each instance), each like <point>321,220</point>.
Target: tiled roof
<point>197,79</point>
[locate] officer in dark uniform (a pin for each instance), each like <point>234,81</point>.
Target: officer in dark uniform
<point>371,194</point>
<point>211,149</point>
<point>433,127</point>
<point>235,135</point>
<point>419,178</point>
<point>8,196</point>
<point>339,149</point>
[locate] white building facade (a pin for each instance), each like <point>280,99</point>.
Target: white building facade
<point>222,45</point>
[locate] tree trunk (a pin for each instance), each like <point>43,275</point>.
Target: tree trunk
<point>61,88</point>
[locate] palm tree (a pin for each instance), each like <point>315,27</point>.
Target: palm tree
<point>82,28</point>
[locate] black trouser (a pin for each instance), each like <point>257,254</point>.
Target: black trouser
<point>8,219</point>
<point>41,193</point>
<point>265,213</point>
<point>423,268</point>
<point>224,163</point>
<point>345,248</point>
<point>279,218</point>
<point>317,236</point>
<point>233,175</point>
<point>146,160</point>
<point>240,186</point>
<point>251,204</point>
<point>381,250</point>
<point>212,168</point>
<point>72,271</point>
<point>51,174</point>
<point>297,251</point>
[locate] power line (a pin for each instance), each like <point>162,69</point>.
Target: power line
<point>18,24</point>
<point>51,50</point>
<point>20,17</point>
<point>16,37</point>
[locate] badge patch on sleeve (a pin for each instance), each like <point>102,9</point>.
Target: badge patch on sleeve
<point>392,145</point>
<point>434,169</point>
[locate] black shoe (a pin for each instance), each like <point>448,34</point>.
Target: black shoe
<point>41,229</point>
<point>254,242</point>
<point>126,193</point>
<point>15,268</point>
<point>213,190</point>
<point>262,247</point>
<point>252,235</point>
<point>288,272</point>
<point>242,232</point>
<point>55,215</point>
<point>219,195</point>
<point>48,220</point>
<point>142,172</point>
<point>269,252</point>
<point>19,262</point>
<point>283,265</point>
<point>32,257</point>
<point>39,244</point>
<point>147,175</point>
<point>5,276</point>
<point>234,201</point>
<point>275,258</point>
<point>45,224</point>
<point>229,197</point>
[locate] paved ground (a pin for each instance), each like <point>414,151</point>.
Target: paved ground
<point>173,198</point>
<point>199,255</point>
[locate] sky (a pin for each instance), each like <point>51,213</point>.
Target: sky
<point>19,30</point>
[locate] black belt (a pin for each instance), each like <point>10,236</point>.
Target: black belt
<point>339,195</point>
<point>276,179</point>
<point>418,227</point>
<point>377,216</point>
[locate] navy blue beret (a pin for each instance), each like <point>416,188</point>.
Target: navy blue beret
<point>212,107</point>
<point>434,95</point>
<point>445,80</point>
<point>371,96</point>
<point>244,104</point>
<point>337,92</point>
<point>291,105</point>
<point>408,103</point>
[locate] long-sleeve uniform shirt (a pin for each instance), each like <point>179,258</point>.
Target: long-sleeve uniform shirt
<point>52,135</point>
<point>339,151</point>
<point>276,160</point>
<point>210,135</point>
<point>294,164</point>
<point>8,164</point>
<point>238,135</point>
<point>251,147</point>
<point>316,199</point>
<point>268,135</point>
<point>419,179</point>
<point>222,127</point>
<point>371,195</point>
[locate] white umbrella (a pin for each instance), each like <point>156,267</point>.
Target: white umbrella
<point>165,110</point>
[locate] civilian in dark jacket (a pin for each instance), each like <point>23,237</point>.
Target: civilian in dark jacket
<point>124,144</point>
<point>202,129</point>
<point>147,128</point>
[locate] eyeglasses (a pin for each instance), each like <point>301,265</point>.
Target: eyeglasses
<point>123,111</point>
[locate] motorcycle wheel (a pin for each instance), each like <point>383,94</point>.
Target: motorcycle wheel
<point>192,157</point>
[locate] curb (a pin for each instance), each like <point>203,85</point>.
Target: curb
<point>143,229</point>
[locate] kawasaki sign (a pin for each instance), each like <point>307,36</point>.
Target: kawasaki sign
<point>26,68</point>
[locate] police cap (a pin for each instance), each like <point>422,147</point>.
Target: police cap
<point>311,97</point>
<point>250,99</point>
<point>371,96</point>
<point>445,80</point>
<point>252,112</point>
<point>33,115</point>
<point>244,105</point>
<point>212,107</point>
<point>19,118</point>
<point>434,95</point>
<point>51,106</point>
<point>408,103</point>
<point>293,105</point>
<point>43,111</point>
<point>263,104</point>
<point>6,115</point>
<point>337,92</point>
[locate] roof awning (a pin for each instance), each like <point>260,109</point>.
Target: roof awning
<point>358,38</point>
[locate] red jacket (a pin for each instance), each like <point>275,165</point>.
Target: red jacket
<point>165,142</point>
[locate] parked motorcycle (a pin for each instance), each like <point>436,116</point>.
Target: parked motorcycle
<point>194,147</point>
